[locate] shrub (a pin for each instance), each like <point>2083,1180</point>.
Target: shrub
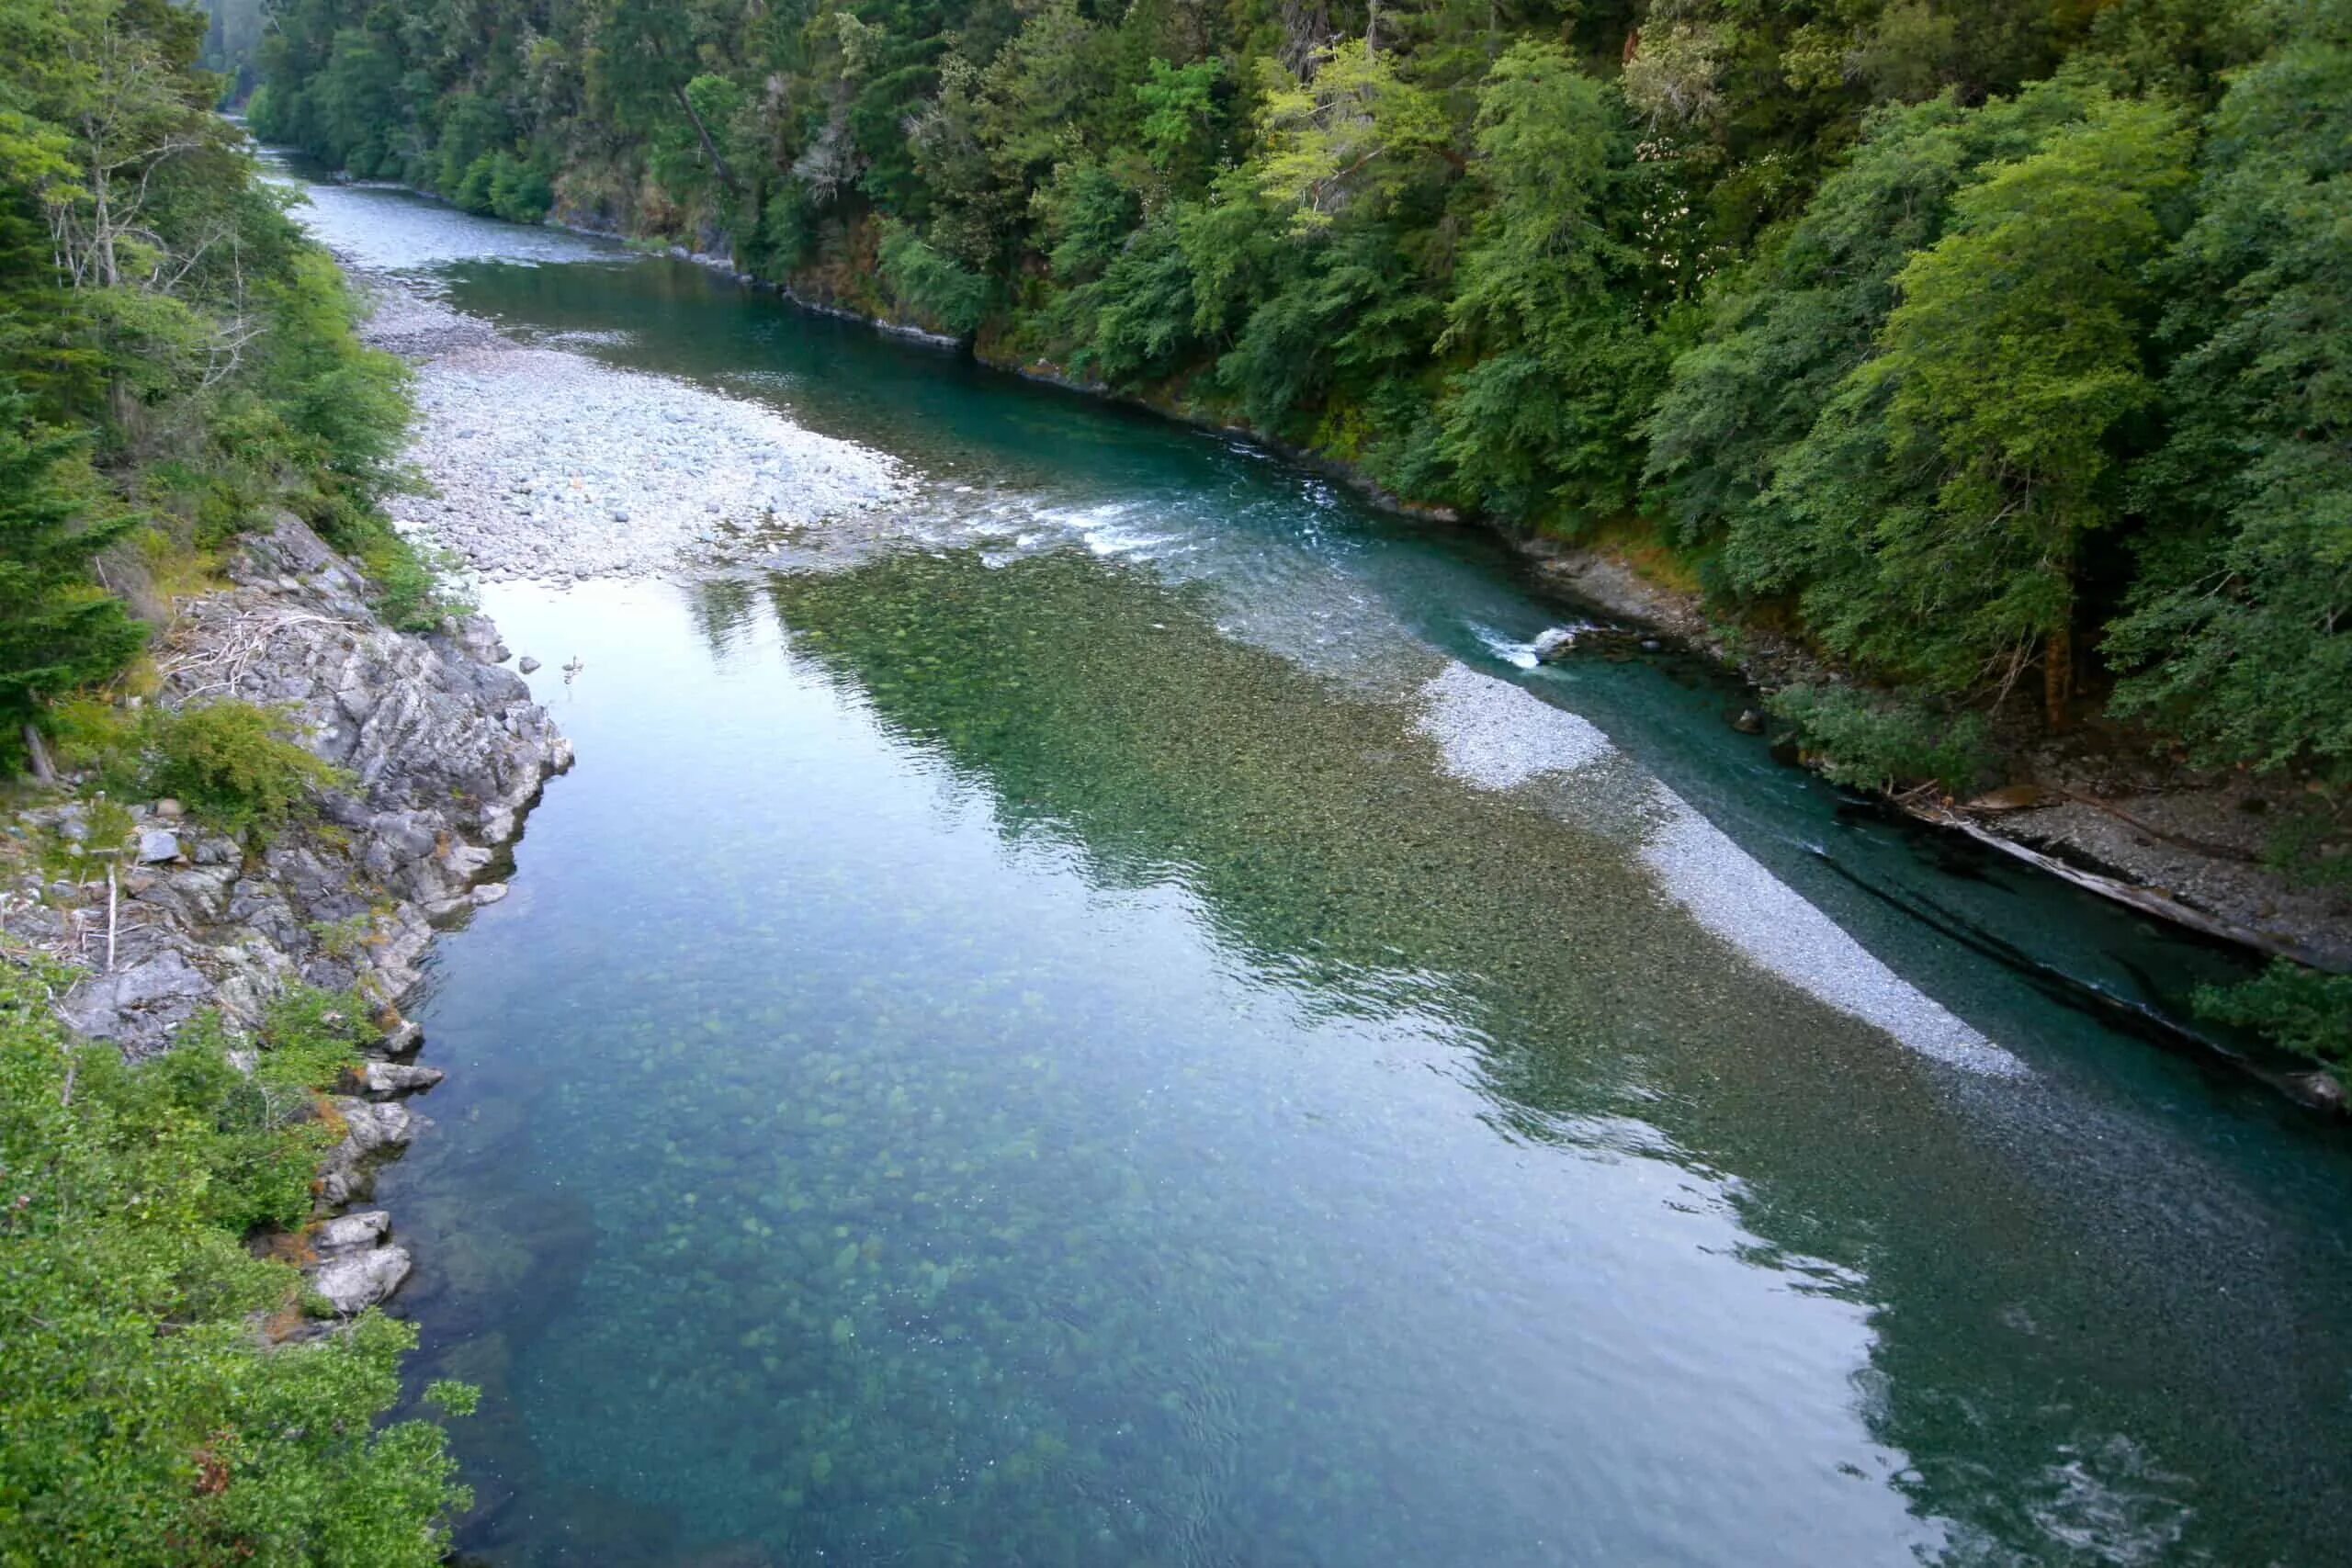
<point>931,283</point>
<point>2301,1009</point>
<point>235,762</point>
<point>1883,743</point>
<point>142,1420</point>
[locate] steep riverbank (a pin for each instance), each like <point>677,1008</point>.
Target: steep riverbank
<point>442,754</point>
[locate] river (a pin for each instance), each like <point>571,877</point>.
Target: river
<point>1106,1014</point>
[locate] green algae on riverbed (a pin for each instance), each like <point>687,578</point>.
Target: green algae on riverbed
<point>1076,1087</point>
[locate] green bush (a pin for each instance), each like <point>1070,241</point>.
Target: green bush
<point>2301,1009</point>
<point>235,763</point>
<point>1883,742</point>
<point>142,1419</point>
<point>932,284</point>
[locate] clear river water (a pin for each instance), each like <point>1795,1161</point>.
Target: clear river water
<point>1108,1014</point>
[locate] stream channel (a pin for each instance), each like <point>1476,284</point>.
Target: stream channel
<point>1104,1011</point>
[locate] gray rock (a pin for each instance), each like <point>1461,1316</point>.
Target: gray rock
<point>138,1005</point>
<point>489,892</point>
<point>158,846</point>
<point>375,1128</point>
<point>527,665</point>
<point>1749,722</point>
<point>373,1133</point>
<point>385,1079</point>
<point>476,636</point>
<point>349,1233</point>
<point>405,1037</point>
<point>355,1282</point>
<point>169,810</point>
<point>1554,644</point>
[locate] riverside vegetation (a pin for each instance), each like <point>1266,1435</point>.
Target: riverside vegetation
<point>176,365</point>
<point>1996,348</point>
<point>1990,344</point>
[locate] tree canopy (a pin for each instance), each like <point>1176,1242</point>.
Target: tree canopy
<point>1990,339</point>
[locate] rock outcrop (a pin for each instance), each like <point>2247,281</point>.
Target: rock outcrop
<point>442,754</point>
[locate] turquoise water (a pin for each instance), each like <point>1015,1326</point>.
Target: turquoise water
<point>1102,1017</point>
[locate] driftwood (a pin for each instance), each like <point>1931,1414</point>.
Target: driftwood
<point>2147,900</point>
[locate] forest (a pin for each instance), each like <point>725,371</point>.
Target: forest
<point>176,361</point>
<point>2000,348</point>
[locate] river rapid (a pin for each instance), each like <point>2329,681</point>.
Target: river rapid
<point>1088,1002</point>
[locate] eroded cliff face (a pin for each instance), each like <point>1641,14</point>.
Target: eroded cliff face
<point>444,753</point>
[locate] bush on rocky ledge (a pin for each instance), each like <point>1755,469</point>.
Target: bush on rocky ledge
<point>233,762</point>
<point>143,1419</point>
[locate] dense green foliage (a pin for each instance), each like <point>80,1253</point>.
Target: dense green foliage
<point>233,763</point>
<point>1884,743</point>
<point>175,358</point>
<point>145,1419</point>
<point>175,361</point>
<point>1994,338</point>
<point>2301,1009</point>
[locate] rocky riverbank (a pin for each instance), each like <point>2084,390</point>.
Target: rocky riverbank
<point>443,752</point>
<point>547,465</point>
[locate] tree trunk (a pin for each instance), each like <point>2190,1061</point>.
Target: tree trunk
<point>42,770</point>
<point>2058,677</point>
<point>710,147</point>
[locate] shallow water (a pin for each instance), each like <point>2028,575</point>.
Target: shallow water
<point>1102,1016</point>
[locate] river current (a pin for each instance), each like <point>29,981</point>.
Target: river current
<point>1107,1012</point>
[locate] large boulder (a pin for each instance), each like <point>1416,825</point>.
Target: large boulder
<point>357,1280</point>
<point>138,1005</point>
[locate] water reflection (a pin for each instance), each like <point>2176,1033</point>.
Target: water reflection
<point>1067,1086</point>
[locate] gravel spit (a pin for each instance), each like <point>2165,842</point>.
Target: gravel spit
<point>545,464</point>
